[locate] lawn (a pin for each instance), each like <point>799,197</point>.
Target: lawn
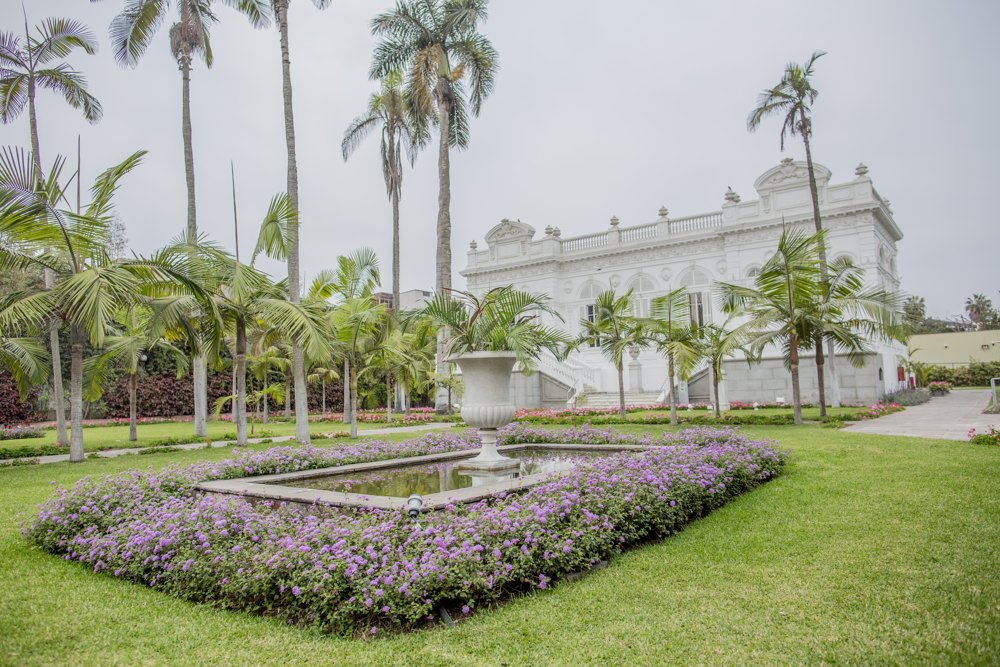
<point>96,438</point>
<point>869,549</point>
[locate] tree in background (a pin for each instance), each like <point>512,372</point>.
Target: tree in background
<point>24,68</point>
<point>780,303</point>
<point>676,338</point>
<point>716,343</point>
<point>792,99</point>
<point>615,330</point>
<point>389,112</point>
<point>437,43</point>
<point>981,312</point>
<point>132,30</point>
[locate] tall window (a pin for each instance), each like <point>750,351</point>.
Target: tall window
<point>698,283</point>
<point>642,287</point>
<point>589,310</point>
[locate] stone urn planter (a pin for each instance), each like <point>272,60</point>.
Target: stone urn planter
<point>486,404</point>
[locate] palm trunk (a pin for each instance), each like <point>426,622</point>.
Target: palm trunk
<point>443,260</point>
<point>388,400</point>
<point>814,193</point>
<point>621,389</point>
<point>240,371</point>
<point>59,397</point>
<point>715,388</point>
<point>347,391</point>
<point>266,400</point>
<point>834,380</point>
<point>394,188</point>
<point>673,394</point>
<point>354,402</point>
<point>793,366</point>
<point>820,379</point>
<point>58,393</point>
<point>298,354</point>
<point>288,395</point>
<point>76,394</point>
<point>132,431</point>
<point>323,383</point>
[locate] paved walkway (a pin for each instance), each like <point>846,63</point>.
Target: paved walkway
<point>948,417</point>
<point>111,453</point>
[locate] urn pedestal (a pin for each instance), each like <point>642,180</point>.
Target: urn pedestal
<point>486,404</point>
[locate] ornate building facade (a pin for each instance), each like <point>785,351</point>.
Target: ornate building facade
<point>694,252</point>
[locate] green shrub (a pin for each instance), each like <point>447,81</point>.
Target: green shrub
<point>976,374</point>
<point>908,397</point>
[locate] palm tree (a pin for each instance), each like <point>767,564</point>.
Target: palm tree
<point>324,376</point>
<point>979,309</point>
<point>716,343</point>
<point>127,349</point>
<point>437,43</point>
<point>280,10</point>
<point>792,99</point>
<point>615,331</point>
<point>92,287</point>
<point>389,355</point>
<point>131,33</point>
<point>780,303</point>
<point>357,276</point>
<point>675,336</point>
<point>23,69</point>
<point>846,309</point>
<point>389,111</point>
<point>356,322</point>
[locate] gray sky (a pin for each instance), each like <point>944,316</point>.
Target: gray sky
<point>600,108</point>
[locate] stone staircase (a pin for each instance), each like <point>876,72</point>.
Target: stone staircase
<point>610,399</point>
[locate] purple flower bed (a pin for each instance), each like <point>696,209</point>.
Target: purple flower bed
<point>354,571</point>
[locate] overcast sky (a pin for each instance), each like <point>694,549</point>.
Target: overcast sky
<point>600,108</point>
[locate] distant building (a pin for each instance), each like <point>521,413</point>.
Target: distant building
<point>409,300</point>
<point>694,252</point>
<point>956,348</point>
<point>414,299</point>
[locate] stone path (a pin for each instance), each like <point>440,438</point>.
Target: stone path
<point>948,417</point>
<point>111,453</point>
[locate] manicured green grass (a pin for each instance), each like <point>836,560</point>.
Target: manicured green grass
<point>96,438</point>
<point>868,550</point>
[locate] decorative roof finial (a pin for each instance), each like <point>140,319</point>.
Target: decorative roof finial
<point>663,212</point>
<point>861,170</point>
<point>787,161</point>
<point>614,221</point>
<point>556,232</point>
<point>731,196</point>
<point>473,245</point>
<point>548,230</point>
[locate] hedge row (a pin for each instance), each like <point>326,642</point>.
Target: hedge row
<point>977,374</point>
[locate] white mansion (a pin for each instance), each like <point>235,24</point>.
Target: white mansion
<point>693,252</point>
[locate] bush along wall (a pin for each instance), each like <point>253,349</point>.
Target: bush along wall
<point>14,410</point>
<point>976,374</point>
<point>166,395</point>
<point>359,572</point>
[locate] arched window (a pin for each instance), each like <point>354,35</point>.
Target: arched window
<point>753,272</point>
<point>588,311</point>
<point>698,283</point>
<point>643,288</point>
<point>590,291</point>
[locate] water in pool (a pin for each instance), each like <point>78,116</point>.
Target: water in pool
<point>430,478</point>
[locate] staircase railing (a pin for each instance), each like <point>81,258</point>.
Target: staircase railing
<point>699,368</point>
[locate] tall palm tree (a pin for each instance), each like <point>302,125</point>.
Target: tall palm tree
<point>388,110</point>
<point>131,33</point>
<point>436,42</point>
<point>780,303</point>
<point>280,10</point>
<point>615,331</point>
<point>675,336</point>
<point>23,69</point>
<point>92,287</point>
<point>792,99</point>
<point>356,321</point>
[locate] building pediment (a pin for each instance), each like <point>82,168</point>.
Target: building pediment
<point>790,175</point>
<point>510,230</point>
